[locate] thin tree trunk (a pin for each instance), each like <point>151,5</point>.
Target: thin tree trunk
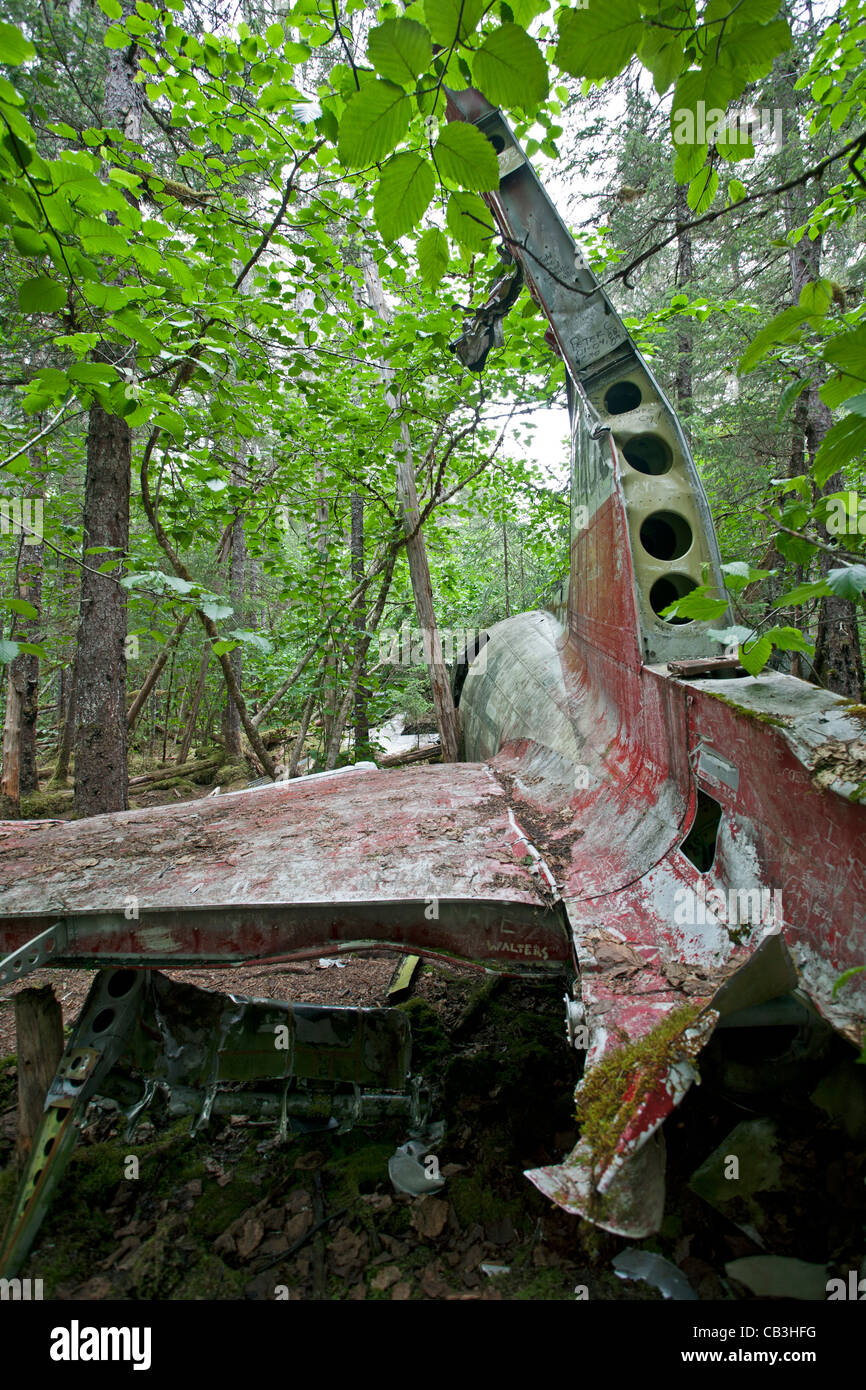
<point>193,709</point>
<point>167,706</point>
<point>237,577</point>
<point>838,662</point>
<point>60,776</point>
<point>361,722</point>
<point>333,749</point>
<point>153,675</point>
<point>19,774</point>
<point>416,551</point>
<point>505,566</point>
<point>10,779</point>
<point>298,747</point>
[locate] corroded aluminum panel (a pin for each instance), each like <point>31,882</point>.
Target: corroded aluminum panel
<point>428,858</point>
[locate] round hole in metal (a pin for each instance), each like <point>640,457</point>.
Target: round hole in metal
<point>666,590</point>
<point>622,396</point>
<point>666,535</point>
<point>648,453</point>
<point>121,983</point>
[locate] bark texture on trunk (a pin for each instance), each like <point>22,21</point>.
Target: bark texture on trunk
<point>39,1030</point>
<point>100,725</point>
<point>193,709</point>
<point>356,545</point>
<point>156,670</point>
<point>237,585</point>
<point>101,732</point>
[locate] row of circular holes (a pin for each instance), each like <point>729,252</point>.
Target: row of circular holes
<point>664,535</point>
<point>119,984</point>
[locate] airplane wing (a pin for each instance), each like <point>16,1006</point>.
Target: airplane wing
<point>427,857</point>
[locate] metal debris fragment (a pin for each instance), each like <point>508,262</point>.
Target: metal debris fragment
<point>655,1270</point>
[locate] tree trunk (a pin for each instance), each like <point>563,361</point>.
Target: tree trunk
<point>101,733</point>
<point>333,747</point>
<point>416,551</point>
<point>10,780</point>
<point>156,670</point>
<point>838,663</point>
<point>60,776</point>
<point>362,724</point>
<point>193,709</point>
<point>237,579</point>
<point>39,1029</point>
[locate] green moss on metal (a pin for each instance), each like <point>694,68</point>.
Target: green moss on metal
<point>612,1092</point>
<point>759,716</point>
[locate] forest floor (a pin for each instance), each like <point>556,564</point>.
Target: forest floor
<point>231,1213</point>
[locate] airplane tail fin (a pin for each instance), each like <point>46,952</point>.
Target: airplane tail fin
<point>641,535</point>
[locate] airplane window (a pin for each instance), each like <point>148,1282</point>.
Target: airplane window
<point>700,844</point>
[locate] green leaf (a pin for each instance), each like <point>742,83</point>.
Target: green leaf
<point>433,256</point>
<point>112,8</point>
<point>755,657</point>
<point>779,330</point>
<point>400,49</point>
<point>466,158</point>
<point>275,35</point>
<point>373,122</point>
<point>41,295</point>
<point>739,573</point>
<point>702,190</point>
<point>848,352</point>
<point>442,17</point>
<point>843,442</point>
<point>403,194</point>
<point>92,373</point>
<point>846,976</point>
<point>469,220</point>
<point>662,56</point>
<point>599,41</point>
<point>252,639</point>
<point>801,593</point>
<point>697,605</point>
<point>748,51</point>
<point>28,242</point>
<point>736,191</point>
<point>115,37</point>
<point>215,611</point>
<point>848,582</point>
<point>817,296</point>
<point>8,650</point>
<point>790,639</point>
<point>691,122</point>
<point>509,69</point>
<point>21,606</point>
<point>794,389</point>
<point>14,48</point>
<point>220,648</point>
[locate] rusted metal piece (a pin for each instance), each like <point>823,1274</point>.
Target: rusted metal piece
<point>140,1031</point>
<point>706,666</point>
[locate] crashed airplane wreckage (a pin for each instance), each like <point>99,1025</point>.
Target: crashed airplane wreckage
<point>624,784</point>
